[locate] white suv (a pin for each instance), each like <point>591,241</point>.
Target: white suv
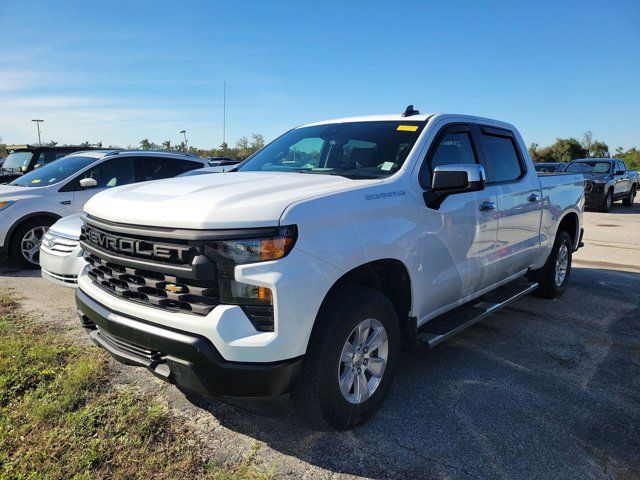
<point>32,203</point>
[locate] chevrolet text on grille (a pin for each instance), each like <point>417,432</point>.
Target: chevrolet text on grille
<point>133,246</point>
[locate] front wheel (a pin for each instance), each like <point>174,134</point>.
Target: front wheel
<point>607,202</point>
<point>25,242</point>
<point>351,359</point>
<point>554,276</point>
<point>628,201</point>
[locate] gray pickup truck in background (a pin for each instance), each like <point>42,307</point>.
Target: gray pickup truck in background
<point>606,181</point>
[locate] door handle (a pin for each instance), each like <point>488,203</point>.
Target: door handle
<point>487,206</point>
<point>534,198</point>
<point>65,202</point>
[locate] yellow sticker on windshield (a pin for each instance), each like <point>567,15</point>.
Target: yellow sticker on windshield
<point>407,128</point>
<point>36,180</point>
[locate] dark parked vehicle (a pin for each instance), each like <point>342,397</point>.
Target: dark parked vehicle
<point>24,158</point>
<point>549,167</point>
<point>606,181</point>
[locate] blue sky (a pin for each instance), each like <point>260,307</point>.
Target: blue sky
<point>122,71</point>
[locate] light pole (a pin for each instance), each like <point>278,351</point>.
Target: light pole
<point>186,147</point>
<point>38,121</point>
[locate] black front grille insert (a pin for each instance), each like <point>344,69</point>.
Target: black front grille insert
<point>153,288</point>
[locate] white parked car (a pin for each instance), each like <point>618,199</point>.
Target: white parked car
<point>302,273</point>
<point>61,257</point>
<point>60,253</point>
<point>30,204</point>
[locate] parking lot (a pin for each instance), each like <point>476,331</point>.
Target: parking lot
<point>542,389</point>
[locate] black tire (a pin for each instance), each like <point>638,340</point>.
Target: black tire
<point>548,286</point>
<point>317,396</point>
<point>607,202</point>
<point>15,250</point>
<point>628,200</point>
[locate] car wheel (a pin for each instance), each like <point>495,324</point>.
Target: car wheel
<point>628,201</point>
<point>553,278</point>
<point>607,202</point>
<point>25,242</point>
<point>351,359</point>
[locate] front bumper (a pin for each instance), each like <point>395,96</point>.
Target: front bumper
<point>61,269</point>
<point>185,359</point>
<point>594,195</point>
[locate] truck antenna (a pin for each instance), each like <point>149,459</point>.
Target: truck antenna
<point>409,111</point>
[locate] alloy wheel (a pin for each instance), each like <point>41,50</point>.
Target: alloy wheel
<point>30,244</point>
<point>562,263</point>
<point>363,361</point>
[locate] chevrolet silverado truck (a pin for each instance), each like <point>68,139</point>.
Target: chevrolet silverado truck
<point>302,274</point>
<point>606,181</point>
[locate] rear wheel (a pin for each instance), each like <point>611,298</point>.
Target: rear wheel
<point>25,242</point>
<point>628,201</point>
<point>554,276</point>
<point>351,359</point>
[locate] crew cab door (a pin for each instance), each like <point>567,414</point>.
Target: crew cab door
<point>621,184</point>
<point>519,199</point>
<point>112,172</point>
<point>459,236</point>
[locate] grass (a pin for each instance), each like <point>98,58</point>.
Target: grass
<point>61,418</point>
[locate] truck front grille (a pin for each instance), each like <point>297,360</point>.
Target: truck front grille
<point>153,288</point>
<point>168,273</point>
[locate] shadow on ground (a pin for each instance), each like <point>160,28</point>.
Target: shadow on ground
<point>542,389</point>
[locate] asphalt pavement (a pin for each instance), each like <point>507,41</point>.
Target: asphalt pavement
<point>542,389</point>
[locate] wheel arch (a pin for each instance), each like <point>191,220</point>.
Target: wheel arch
<point>31,216</point>
<point>389,276</point>
<point>570,223</point>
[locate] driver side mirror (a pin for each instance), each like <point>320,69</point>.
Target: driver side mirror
<point>449,179</point>
<point>88,183</point>
<point>620,172</point>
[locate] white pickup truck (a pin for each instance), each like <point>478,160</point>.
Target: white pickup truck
<point>301,274</point>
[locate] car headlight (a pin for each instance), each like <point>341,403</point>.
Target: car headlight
<point>250,250</point>
<point>277,243</point>
<point>6,203</point>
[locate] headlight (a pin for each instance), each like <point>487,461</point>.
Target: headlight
<point>251,250</point>
<point>5,203</point>
<point>276,244</point>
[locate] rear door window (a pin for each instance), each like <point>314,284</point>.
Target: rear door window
<point>157,168</point>
<point>501,158</point>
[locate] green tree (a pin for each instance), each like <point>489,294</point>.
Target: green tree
<point>599,149</point>
<point>631,157</point>
<point>594,148</point>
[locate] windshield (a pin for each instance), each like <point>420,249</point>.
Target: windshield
<point>354,149</point>
<point>16,160</point>
<point>54,172</point>
<point>589,167</point>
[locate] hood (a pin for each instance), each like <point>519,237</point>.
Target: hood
<point>12,192</point>
<point>68,227</point>
<point>230,200</point>
<point>591,176</point>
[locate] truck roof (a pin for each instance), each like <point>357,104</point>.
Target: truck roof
<point>411,118</point>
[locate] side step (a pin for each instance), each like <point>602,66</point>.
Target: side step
<point>448,324</point>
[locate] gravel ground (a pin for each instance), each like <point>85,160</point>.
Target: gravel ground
<point>542,389</point>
